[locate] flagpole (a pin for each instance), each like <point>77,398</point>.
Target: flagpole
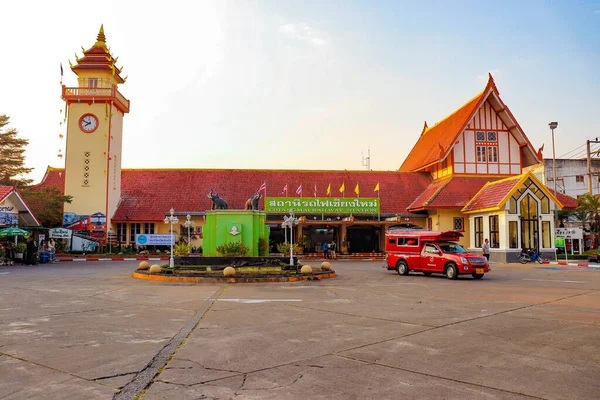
<point>378,198</point>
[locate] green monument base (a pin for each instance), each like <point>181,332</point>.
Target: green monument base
<point>224,226</point>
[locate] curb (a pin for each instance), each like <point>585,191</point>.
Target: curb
<point>69,259</point>
<point>240,279</point>
<point>564,263</point>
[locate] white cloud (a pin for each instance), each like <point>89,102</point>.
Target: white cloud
<point>304,33</point>
<point>596,11</point>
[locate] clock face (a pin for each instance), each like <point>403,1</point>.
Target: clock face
<point>88,123</point>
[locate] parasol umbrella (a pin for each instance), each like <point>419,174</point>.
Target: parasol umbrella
<point>16,232</point>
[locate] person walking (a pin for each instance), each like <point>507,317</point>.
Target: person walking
<point>325,248</point>
<point>486,249</point>
<point>332,253</point>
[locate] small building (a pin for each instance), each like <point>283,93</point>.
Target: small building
<point>13,209</point>
<point>571,175</point>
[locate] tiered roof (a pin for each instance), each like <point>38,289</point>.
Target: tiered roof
<point>98,57</point>
<point>451,192</point>
<point>435,143</point>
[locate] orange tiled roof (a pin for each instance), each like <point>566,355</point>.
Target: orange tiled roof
<point>449,193</point>
<point>568,202</point>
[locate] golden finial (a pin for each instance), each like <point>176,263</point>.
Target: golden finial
<point>82,49</point>
<point>125,79</point>
<point>101,38</point>
<point>76,58</point>
<point>116,59</point>
<point>70,64</point>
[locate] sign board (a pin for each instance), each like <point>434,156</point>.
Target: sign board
<point>569,233</point>
<point>559,242</point>
<point>322,205</point>
<point>61,233</point>
<point>9,218</point>
<point>154,239</point>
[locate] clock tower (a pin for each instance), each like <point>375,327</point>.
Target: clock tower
<point>95,110</point>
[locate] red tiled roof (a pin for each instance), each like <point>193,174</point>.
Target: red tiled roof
<point>449,193</point>
<point>5,191</point>
<point>568,202</point>
<point>493,194</point>
<point>148,193</point>
<point>428,195</point>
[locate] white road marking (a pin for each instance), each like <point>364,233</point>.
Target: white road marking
<point>4,273</point>
<point>553,280</point>
<point>254,301</point>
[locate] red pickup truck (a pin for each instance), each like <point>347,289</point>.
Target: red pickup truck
<point>431,252</point>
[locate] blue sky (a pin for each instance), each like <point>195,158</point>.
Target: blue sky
<point>304,84</point>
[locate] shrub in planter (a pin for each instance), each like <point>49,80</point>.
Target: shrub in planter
<point>19,248</point>
<point>182,249</point>
<point>233,249</point>
<point>284,248</point>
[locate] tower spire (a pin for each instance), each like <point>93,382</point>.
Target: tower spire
<point>101,38</point>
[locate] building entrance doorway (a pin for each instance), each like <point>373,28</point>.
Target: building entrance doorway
<point>362,239</point>
<point>317,234</point>
<point>530,238</point>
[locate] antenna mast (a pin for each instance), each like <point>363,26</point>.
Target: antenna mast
<point>366,161</point>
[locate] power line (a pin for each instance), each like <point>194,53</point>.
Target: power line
<point>564,155</point>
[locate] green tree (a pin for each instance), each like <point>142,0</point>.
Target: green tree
<point>12,159</point>
<point>591,205</point>
<point>46,203</point>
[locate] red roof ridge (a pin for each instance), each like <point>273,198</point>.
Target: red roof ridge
<point>265,169</point>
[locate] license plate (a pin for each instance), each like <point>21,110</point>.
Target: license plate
<point>479,271</point>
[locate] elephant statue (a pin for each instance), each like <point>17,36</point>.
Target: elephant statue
<point>252,202</point>
<point>217,202</point>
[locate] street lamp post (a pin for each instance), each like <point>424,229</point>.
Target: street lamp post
<point>553,126</point>
<point>290,221</point>
<point>189,223</point>
<point>172,219</point>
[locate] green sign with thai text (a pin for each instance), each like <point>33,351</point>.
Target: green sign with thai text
<point>322,205</point>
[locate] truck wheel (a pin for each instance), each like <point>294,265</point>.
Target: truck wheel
<point>427,273</point>
<point>402,268</point>
<point>477,276</point>
<point>451,271</point>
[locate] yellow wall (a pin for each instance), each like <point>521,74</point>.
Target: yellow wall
<point>91,198</point>
<point>114,164</point>
<point>443,220</point>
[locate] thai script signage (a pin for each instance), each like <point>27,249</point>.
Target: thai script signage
<point>321,205</point>
<point>61,233</point>
<point>154,240</point>
<point>568,233</point>
<point>6,208</point>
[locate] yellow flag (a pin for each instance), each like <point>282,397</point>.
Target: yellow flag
<point>356,190</point>
<point>376,188</point>
<point>342,188</point>
<point>329,189</point>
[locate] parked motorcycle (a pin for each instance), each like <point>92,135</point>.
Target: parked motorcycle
<point>530,256</point>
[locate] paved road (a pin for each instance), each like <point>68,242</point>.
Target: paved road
<point>89,331</point>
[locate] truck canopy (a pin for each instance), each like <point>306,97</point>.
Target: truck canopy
<point>426,236</point>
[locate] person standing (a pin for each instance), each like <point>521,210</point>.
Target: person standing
<point>31,251</point>
<point>332,250</point>
<point>51,250</point>
<point>486,249</point>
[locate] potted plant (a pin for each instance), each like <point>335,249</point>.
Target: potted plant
<point>19,249</point>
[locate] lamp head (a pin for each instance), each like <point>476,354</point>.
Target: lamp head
<point>553,125</point>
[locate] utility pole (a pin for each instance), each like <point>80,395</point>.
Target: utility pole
<point>589,165</point>
<point>366,162</point>
<point>589,172</point>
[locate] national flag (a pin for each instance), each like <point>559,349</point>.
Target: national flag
<point>299,190</point>
<point>356,190</point>
<point>284,191</point>
<point>315,191</point>
<point>376,188</point>
<point>329,189</point>
<point>343,187</point>
<point>263,187</point>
